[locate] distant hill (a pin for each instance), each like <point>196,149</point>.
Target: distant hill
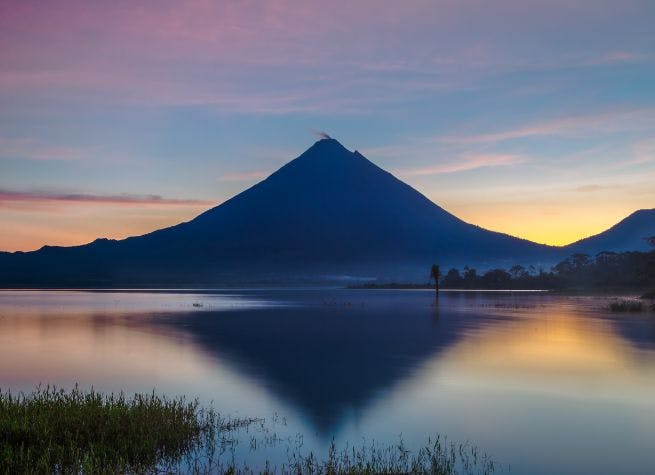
<point>628,235</point>
<point>328,215</point>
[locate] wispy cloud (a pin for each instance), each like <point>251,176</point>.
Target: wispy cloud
<point>589,188</point>
<point>198,52</point>
<point>604,122</point>
<point>465,163</point>
<point>29,149</point>
<point>643,151</point>
<point>11,196</point>
<point>244,176</point>
<point>614,57</point>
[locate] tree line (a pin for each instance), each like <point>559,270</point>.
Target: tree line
<point>605,270</point>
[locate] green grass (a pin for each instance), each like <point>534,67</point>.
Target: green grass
<point>436,457</point>
<point>56,431</point>
<point>85,432</point>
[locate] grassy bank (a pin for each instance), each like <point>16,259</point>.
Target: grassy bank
<point>59,431</point>
<point>56,431</point>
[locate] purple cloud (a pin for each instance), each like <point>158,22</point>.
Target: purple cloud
<point>10,196</point>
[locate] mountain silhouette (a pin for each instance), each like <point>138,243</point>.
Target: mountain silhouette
<point>329,214</point>
<point>627,235</point>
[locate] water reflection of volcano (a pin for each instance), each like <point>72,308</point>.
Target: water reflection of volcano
<point>339,351</point>
<point>331,359</point>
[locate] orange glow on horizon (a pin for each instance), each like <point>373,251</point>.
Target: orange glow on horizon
<point>552,225</point>
<point>75,224</point>
<point>29,226</point>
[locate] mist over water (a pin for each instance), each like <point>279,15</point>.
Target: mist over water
<point>546,384</point>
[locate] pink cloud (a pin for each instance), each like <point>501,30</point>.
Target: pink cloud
<point>643,151</point>
<point>25,148</point>
<point>465,163</point>
<point>614,57</point>
<point>7,197</point>
<point>200,52</point>
<point>589,188</point>
<point>245,176</point>
<point>611,121</point>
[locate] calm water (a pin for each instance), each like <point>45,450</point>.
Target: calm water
<point>545,384</point>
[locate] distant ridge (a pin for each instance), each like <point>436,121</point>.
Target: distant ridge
<point>330,214</point>
<point>629,234</point>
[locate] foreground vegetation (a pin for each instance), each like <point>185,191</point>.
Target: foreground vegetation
<point>56,431</point>
<point>437,457</point>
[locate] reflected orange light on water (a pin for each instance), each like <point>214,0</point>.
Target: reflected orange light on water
<point>553,350</point>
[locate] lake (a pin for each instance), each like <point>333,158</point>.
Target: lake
<point>544,383</point>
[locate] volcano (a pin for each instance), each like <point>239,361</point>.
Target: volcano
<point>329,214</point>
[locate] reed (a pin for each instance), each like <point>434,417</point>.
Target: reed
<point>57,431</point>
<point>53,430</point>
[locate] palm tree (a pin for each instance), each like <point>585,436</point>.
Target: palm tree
<point>435,274</point>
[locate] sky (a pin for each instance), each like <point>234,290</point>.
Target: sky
<point>534,118</point>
